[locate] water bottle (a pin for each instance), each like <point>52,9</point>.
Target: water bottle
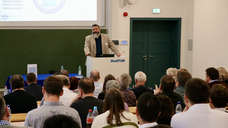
<point>89,119</point>
<point>79,70</point>
<point>8,107</point>
<point>178,108</point>
<point>6,91</point>
<point>95,112</point>
<point>61,69</point>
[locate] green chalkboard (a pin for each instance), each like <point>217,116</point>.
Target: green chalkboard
<point>49,49</point>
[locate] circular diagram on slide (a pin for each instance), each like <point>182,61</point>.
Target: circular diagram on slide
<point>49,6</point>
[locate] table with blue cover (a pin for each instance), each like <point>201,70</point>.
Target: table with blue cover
<point>40,79</point>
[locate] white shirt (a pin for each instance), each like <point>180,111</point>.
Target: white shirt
<point>220,109</point>
<point>200,116</point>
<point>100,121</point>
<point>148,125</point>
<point>98,88</point>
<point>67,96</point>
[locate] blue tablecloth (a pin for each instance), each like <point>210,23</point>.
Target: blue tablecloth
<point>40,79</point>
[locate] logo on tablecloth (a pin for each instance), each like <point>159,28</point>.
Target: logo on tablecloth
<point>118,60</point>
<point>49,6</point>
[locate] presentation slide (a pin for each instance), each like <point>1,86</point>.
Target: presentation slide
<point>48,10</point>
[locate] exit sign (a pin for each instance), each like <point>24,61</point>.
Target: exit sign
<point>156,10</point>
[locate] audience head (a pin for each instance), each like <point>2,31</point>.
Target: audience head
<point>53,85</point>
<point>95,75</point>
<point>183,69</point>
<point>125,80</point>
<point>17,82</point>
<point>171,72</point>
<point>112,84</point>
<point>167,83</point>
<point>86,85</point>
<point>64,72</point>
<point>196,91</point>
<point>211,74</point>
<point>167,109</point>
<point>148,107</point>
<point>31,78</point>
<point>106,79</point>
<point>66,81</point>
<point>115,104</point>
<point>223,74</point>
<point>219,96</point>
<point>182,77</point>
<point>60,121</point>
<point>140,77</point>
<point>73,83</point>
<point>4,114</point>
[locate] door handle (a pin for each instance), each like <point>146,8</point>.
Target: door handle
<point>145,57</point>
<point>151,56</point>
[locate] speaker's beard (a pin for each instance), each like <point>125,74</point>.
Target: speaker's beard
<point>96,35</point>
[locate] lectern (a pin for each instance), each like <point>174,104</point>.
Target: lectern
<point>107,65</point>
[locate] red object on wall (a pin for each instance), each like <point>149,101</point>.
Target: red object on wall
<point>125,14</point>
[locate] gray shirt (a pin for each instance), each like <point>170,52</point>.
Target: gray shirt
<point>180,90</point>
<point>36,117</point>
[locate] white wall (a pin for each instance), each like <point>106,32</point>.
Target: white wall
<point>119,26</point>
<point>210,35</point>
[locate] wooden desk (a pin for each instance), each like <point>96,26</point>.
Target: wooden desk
<point>18,117</point>
<point>132,110</point>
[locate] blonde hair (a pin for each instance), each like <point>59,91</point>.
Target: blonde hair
<point>223,74</point>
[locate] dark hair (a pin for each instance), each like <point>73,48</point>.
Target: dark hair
<point>197,91</point>
<point>60,121</point>
<point>2,107</point>
<point>115,104</point>
<point>31,77</point>
<point>167,109</point>
<point>66,81</point>
<point>106,79</point>
<point>148,107</point>
<point>86,84</point>
<point>17,81</point>
<point>183,77</point>
<point>73,83</point>
<point>219,96</point>
<point>53,85</point>
<point>95,25</point>
<point>161,126</point>
<point>167,83</point>
<point>95,75</point>
<point>212,73</point>
<point>64,72</point>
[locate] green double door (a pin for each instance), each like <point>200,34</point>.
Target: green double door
<point>155,46</point>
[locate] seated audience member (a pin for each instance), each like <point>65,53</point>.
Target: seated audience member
<point>219,97</point>
<point>114,114</point>
<point>172,72</point>
<point>101,96</point>
<point>128,95</point>
<point>32,87</point>
<point>140,80</point>
<point>95,75</point>
<point>167,110</point>
<point>199,113</point>
<point>68,95</point>
<point>161,126</point>
<point>167,88</point>
<point>212,77</point>
<point>5,116</point>
<point>52,90</point>
<point>115,84</point>
<point>85,99</point>
<point>74,84</point>
<point>65,73</point>
<point>181,78</point>
<point>19,101</point>
<point>60,121</point>
<point>148,110</point>
<point>183,69</point>
<point>223,75</point>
